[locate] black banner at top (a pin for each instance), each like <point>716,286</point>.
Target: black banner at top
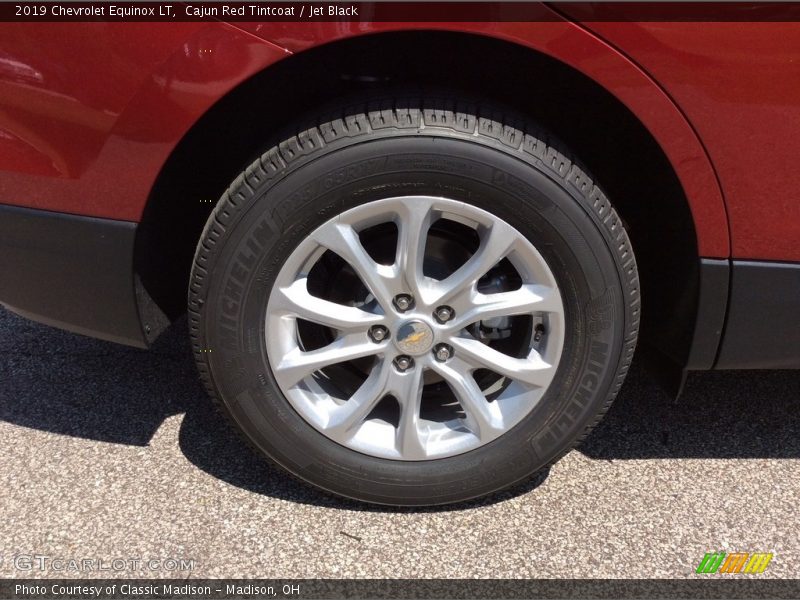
<point>220,10</point>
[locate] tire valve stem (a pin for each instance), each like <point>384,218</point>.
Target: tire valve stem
<point>538,333</point>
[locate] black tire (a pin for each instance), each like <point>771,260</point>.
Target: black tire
<point>474,153</point>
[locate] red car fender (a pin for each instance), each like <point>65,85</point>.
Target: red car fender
<point>90,137</point>
<point>109,165</point>
<point>577,47</point>
<point>205,67</point>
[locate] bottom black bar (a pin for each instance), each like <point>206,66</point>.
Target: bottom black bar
<point>709,586</point>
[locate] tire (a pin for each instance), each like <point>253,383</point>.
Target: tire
<point>463,162</point>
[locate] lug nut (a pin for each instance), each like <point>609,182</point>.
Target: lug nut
<point>443,314</point>
<point>443,352</point>
<point>378,333</point>
<point>403,302</point>
<point>403,363</point>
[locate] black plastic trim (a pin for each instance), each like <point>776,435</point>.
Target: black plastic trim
<point>703,320</point>
<point>712,304</point>
<point>763,324</point>
<point>72,272</point>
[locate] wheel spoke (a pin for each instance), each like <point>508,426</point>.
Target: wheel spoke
<point>530,298</point>
<point>297,301</point>
<point>532,370</point>
<point>407,388</point>
<point>345,420</point>
<point>344,241</point>
<point>297,364</point>
<point>496,242</point>
<point>483,417</point>
<point>414,223</point>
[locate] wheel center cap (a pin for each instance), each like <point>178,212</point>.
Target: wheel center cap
<point>414,337</point>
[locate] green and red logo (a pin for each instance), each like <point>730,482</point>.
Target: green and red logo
<point>735,562</point>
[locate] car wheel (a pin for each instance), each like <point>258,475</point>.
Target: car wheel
<point>414,302</point>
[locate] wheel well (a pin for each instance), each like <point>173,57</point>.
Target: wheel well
<point>613,144</point>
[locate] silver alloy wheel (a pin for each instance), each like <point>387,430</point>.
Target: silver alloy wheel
<point>421,346</point>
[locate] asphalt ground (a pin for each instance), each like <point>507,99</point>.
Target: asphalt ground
<point>109,452</point>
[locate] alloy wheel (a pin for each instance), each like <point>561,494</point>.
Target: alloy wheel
<point>389,342</point>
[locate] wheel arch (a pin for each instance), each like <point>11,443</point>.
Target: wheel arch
<point>653,167</point>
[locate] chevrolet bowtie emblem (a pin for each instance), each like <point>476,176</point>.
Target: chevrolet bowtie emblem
<point>415,337</point>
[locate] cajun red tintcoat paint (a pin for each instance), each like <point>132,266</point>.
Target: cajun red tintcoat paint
<point>87,130</point>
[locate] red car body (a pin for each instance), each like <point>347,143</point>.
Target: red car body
<point>90,114</point>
